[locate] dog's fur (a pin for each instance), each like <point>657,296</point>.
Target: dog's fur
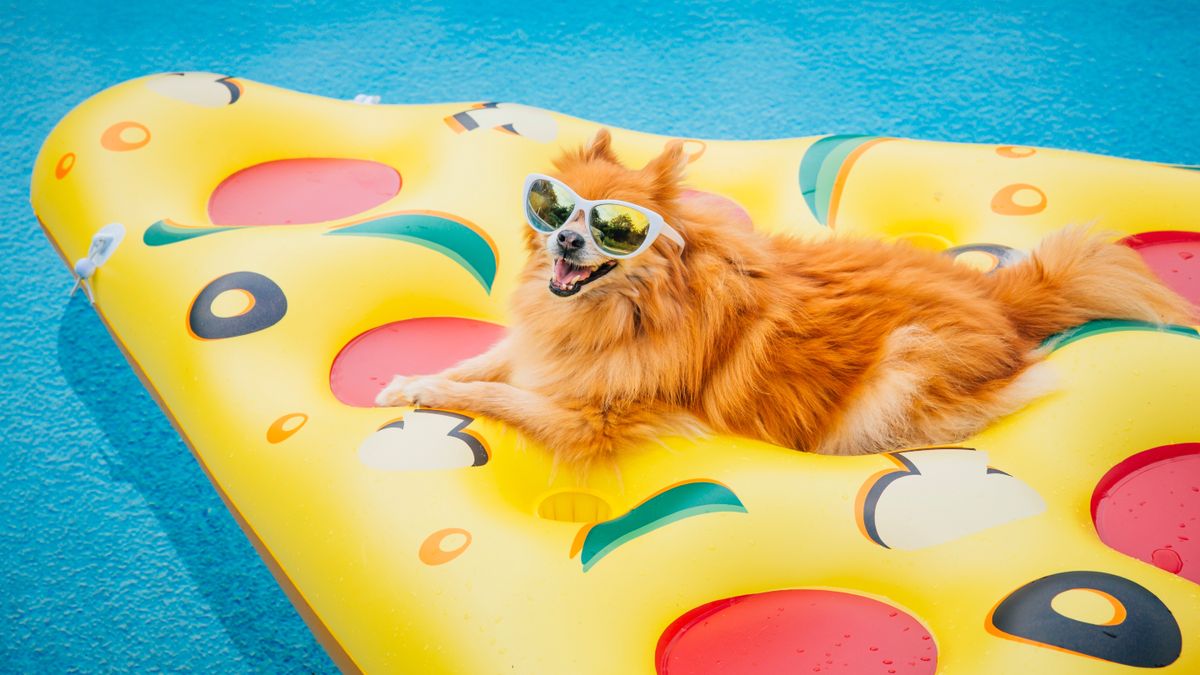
<point>839,346</point>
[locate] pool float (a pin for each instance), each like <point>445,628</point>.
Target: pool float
<point>284,254</point>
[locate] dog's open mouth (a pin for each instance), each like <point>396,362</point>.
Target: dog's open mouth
<point>568,277</point>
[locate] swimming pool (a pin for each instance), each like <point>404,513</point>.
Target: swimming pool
<point>118,555</point>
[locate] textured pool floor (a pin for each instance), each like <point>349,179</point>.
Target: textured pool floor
<point>116,553</point>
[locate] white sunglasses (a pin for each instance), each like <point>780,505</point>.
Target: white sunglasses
<point>620,229</point>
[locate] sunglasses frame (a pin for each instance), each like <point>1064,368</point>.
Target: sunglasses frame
<point>658,225</point>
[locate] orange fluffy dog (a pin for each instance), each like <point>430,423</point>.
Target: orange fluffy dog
<point>840,346</point>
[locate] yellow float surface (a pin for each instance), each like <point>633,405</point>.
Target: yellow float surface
<point>422,542</point>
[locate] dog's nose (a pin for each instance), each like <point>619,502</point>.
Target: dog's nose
<point>570,240</point>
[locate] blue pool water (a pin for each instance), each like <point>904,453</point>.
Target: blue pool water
<point>115,553</point>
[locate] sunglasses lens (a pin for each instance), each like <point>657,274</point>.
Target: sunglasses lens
<point>618,229</point>
<point>548,205</point>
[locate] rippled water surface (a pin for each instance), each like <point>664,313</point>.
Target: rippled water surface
<point>116,554</point>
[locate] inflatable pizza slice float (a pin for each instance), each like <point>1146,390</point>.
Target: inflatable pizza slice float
<point>286,254</point>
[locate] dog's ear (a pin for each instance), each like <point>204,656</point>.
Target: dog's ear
<point>667,169</point>
<point>600,147</point>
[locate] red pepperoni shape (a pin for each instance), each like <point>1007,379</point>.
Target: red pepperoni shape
<point>1148,507</point>
<point>302,191</point>
<point>796,631</point>
<point>412,347</point>
<point>1174,257</point>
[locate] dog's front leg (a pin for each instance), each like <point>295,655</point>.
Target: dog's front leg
<point>579,434</point>
<point>490,366</point>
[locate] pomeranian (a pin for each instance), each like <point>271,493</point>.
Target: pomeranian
<point>639,315</point>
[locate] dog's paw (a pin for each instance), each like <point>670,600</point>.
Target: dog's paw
<point>393,394</point>
<point>430,392</point>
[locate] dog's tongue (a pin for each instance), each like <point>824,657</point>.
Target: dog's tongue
<point>566,274</point>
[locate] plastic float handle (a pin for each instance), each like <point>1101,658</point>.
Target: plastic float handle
<point>104,243</point>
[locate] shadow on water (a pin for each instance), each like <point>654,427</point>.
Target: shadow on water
<point>148,455</point>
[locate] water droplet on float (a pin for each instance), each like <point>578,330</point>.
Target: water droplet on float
<point>1186,255</point>
<point>887,662</point>
<point>874,649</point>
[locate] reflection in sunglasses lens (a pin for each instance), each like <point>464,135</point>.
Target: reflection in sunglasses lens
<point>619,229</point>
<point>548,205</point>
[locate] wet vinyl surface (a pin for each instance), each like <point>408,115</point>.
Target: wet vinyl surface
<point>117,554</point>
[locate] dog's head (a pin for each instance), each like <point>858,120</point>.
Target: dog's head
<point>569,258</point>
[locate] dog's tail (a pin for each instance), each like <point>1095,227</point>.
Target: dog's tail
<point>1076,276</point>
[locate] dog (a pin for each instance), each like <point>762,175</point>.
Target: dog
<point>838,346</point>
